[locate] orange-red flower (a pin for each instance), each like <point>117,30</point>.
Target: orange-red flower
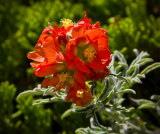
<point>64,78</point>
<point>72,55</point>
<point>80,95</point>
<point>88,49</point>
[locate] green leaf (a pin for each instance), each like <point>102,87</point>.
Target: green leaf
<point>120,57</point>
<point>123,64</point>
<point>95,130</point>
<point>151,67</point>
<point>137,80</point>
<point>121,77</point>
<point>104,91</point>
<point>29,92</point>
<point>136,70</point>
<point>83,131</point>
<point>110,94</point>
<point>84,110</point>
<point>127,91</point>
<point>139,58</point>
<point>145,61</point>
<point>130,69</point>
<point>140,76</point>
<point>48,91</point>
<point>118,68</point>
<point>48,100</point>
<point>67,113</point>
<point>136,52</point>
<point>130,109</point>
<point>119,102</point>
<point>155,97</point>
<point>146,106</point>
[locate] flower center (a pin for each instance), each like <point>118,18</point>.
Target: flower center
<point>63,77</point>
<point>66,22</point>
<point>79,93</point>
<point>89,53</point>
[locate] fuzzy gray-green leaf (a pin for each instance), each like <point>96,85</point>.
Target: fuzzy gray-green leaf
<point>29,92</point>
<point>150,68</point>
<point>48,100</point>
<point>67,113</point>
<point>120,56</point>
<point>127,91</point>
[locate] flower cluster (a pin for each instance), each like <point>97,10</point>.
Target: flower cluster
<point>72,55</point>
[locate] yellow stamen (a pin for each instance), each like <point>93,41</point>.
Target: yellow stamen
<point>79,93</point>
<point>89,53</point>
<point>66,22</point>
<point>63,77</point>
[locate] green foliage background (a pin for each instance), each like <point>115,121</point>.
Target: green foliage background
<point>130,24</point>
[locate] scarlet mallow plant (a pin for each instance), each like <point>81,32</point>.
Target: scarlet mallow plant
<point>78,67</point>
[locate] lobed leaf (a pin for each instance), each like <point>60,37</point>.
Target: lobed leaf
<point>67,113</point>
<point>126,91</point>
<point>48,100</point>
<point>130,69</point>
<point>145,61</point>
<point>139,58</point>
<point>136,70</point>
<point>143,103</point>
<point>150,68</point>
<point>136,80</point>
<point>29,92</point>
<point>155,97</point>
<point>105,90</point>
<point>119,102</point>
<point>136,52</point>
<point>120,57</point>
<point>146,106</point>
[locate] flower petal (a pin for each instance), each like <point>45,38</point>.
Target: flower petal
<point>93,34</point>
<point>84,21</point>
<point>84,98</point>
<point>48,69</point>
<point>97,25</point>
<point>96,63</point>
<point>81,65</point>
<point>47,47</point>
<point>79,77</point>
<point>35,65</point>
<point>70,64</point>
<point>78,31</point>
<point>71,49</point>
<point>71,94</point>
<point>59,57</point>
<point>50,48</point>
<point>97,74</point>
<point>50,82</point>
<point>35,56</point>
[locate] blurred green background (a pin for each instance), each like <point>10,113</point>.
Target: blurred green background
<point>130,24</point>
